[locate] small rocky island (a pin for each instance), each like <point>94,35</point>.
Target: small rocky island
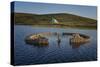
<point>37,40</point>
<point>79,38</point>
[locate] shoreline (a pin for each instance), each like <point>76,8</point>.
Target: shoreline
<point>63,27</point>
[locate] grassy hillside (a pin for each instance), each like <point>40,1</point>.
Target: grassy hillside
<point>63,18</point>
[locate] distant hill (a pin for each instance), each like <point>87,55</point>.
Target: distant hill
<point>62,18</point>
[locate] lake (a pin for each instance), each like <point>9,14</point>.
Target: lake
<point>54,52</point>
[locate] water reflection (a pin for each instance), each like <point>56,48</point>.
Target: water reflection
<point>76,45</point>
<point>58,40</point>
<point>38,45</point>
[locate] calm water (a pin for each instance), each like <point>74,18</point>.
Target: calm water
<point>55,52</point>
